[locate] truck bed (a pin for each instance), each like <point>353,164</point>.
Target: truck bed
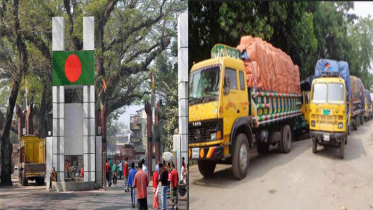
<point>34,169</point>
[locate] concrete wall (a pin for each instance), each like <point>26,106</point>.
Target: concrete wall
<point>74,129</point>
<point>183,77</point>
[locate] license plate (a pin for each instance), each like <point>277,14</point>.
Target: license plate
<point>326,137</point>
<point>195,152</point>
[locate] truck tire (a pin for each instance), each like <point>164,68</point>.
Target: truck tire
<point>286,139</point>
<point>354,124</point>
<point>349,129</point>
<point>262,148</point>
<point>24,181</point>
<point>206,168</point>
<point>342,149</point>
<point>314,145</point>
<point>241,158</point>
<point>362,119</point>
<point>358,120</point>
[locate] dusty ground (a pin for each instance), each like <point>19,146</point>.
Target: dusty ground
<point>37,197</point>
<point>298,180</point>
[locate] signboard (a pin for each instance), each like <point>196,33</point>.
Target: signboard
<point>221,50</point>
<point>73,67</point>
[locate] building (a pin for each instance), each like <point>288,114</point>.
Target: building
<point>139,135</point>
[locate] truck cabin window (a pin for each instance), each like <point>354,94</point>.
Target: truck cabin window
<point>204,85</point>
<point>319,93</point>
<point>335,93</point>
<point>230,79</point>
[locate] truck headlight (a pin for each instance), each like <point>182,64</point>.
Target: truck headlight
<point>213,136</point>
<point>313,123</point>
<point>340,125</point>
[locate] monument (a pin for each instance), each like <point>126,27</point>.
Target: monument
<point>74,129</point>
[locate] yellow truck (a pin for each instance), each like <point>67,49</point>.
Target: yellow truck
<point>31,160</point>
<point>331,105</point>
<point>227,118</point>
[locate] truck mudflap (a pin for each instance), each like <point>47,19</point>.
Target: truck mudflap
<point>206,153</point>
<point>327,138</point>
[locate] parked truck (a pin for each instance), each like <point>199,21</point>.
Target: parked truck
<point>234,105</point>
<point>368,106</point>
<point>358,102</point>
<point>31,160</point>
<point>330,104</point>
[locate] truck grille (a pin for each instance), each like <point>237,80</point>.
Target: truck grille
<point>202,131</point>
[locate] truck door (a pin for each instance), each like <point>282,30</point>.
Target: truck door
<point>244,103</point>
<point>231,99</point>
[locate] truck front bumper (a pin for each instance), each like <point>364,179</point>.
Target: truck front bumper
<point>206,153</point>
<point>321,137</point>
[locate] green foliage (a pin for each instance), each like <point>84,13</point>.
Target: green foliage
<point>307,31</point>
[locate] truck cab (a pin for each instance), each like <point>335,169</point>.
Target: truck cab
<point>218,96</point>
<point>329,113</point>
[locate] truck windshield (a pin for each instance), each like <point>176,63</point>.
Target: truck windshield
<point>204,85</point>
<point>335,93</point>
<point>319,93</point>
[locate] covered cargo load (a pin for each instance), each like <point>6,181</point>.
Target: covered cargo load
<point>332,67</point>
<point>268,68</point>
<point>357,92</point>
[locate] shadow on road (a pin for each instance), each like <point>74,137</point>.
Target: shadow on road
<point>257,168</point>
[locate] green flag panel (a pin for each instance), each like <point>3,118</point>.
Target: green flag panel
<point>73,67</point>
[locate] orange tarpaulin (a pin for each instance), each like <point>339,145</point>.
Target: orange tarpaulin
<point>274,69</point>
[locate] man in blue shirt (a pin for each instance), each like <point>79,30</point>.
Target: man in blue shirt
<point>131,178</point>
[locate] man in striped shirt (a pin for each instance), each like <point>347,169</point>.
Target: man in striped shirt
<point>141,183</point>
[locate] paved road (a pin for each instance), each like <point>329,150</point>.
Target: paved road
<point>36,197</point>
<point>298,180</point>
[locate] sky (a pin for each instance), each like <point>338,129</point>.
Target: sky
<point>361,8</point>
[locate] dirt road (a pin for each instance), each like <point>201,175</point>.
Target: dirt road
<point>298,180</point>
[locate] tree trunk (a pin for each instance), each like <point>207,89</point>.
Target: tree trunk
<point>6,146</point>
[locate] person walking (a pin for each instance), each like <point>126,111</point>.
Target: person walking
<point>155,187</point>
<point>53,177</point>
<point>115,173</point>
<point>107,167</point>
<point>144,168</point>
<point>131,178</point>
<point>141,183</point>
<point>125,173</point>
<point>174,186</point>
<point>120,167</point>
<point>164,185</point>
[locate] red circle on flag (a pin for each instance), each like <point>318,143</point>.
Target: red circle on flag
<point>73,68</point>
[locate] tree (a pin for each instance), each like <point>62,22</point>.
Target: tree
<point>19,66</point>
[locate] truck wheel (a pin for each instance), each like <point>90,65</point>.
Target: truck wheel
<point>262,148</point>
<point>346,139</point>
<point>241,158</point>
<point>314,145</point>
<point>342,149</point>
<point>354,125</point>
<point>286,139</point>
<point>206,168</point>
<point>24,181</point>
<point>358,120</point>
<point>41,181</point>
<point>362,119</point>
<point>349,129</point>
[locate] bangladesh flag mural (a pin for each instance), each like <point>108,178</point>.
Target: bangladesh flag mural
<point>73,67</point>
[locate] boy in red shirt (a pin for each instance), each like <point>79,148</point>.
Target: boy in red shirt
<point>174,185</point>
<point>155,186</point>
<point>126,173</point>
